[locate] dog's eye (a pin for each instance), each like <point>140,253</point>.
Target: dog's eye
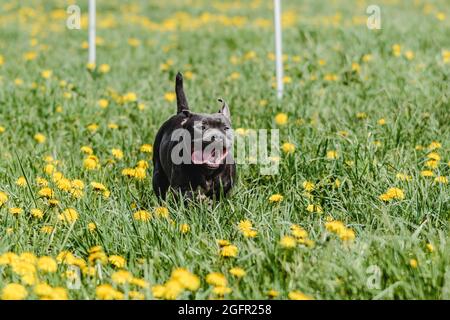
<point>226,128</point>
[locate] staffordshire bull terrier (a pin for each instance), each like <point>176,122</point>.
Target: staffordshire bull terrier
<point>192,152</point>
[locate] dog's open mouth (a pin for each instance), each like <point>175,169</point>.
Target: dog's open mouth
<point>211,158</point>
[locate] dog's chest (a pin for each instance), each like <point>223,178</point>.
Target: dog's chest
<point>207,186</point>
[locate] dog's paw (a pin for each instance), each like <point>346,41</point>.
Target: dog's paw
<point>201,197</point>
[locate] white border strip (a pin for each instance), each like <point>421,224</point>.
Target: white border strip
<point>278,47</point>
<point>91,58</point>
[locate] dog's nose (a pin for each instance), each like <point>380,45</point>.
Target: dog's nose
<point>216,137</point>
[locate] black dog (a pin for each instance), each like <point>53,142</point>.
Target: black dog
<point>192,152</point>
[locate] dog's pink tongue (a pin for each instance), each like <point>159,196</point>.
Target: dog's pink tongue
<point>202,157</point>
<point>197,157</point>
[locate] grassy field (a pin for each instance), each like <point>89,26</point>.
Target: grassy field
<point>361,207</point>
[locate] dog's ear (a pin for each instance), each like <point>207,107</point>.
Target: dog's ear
<point>225,110</point>
<point>182,103</point>
<point>186,113</point>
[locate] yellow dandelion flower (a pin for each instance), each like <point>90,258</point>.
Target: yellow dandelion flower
<point>403,177</point>
<point>130,97</point>
<point>413,263</point>
<point>299,232</point>
<point>288,147</point>
<point>172,289</point>
<point>434,156</point>
<point>92,127</point>
<point>185,228</point>
<point>234,76</point>
<point>434,145</point>
<point>134,42</point>
<point>288,242</point>
<point>347,234</point>
<point>281,118</point>
<point>158,291</point>
<point>37,213</point>
<point>216,279</point>
<point>140,173</point>
<point>14,291</point>
<point>15,211</point>
<point>91,163</point>
<point>393,193</point>
<point>223,243</point>
<point>39,137</point>
<point>308,186</point>
<point>367,58</point>
<point>142,215</point>
<point>47,264</point>
<point>46,74</point>
<point>92,226</point>
<point>87,150</point>
<point>91,66</point>
<point>426,173</point>
<point>440,16</point>
<point>361,115</point>
<point>221,291</point>
<point>186,279</point>
<point>409,55</point>
<point>170,96</point>
<point>103,103</point>
<point>41,182</point>
<point>432,164</point>
<point>3,198</point>
<point>356,67</point>
<point>77,184</point>
<point>396,50</point>
<point>117,153</point>
<point>332,154</point>
<point>238,272</point>
<point>139,282</point>
<point>146,148</point>
<point>331,77</point>
<point>69,215</point>
<point>229,251</point>
<point>117,261</point>
<point>21,182</point>
<point>121,277</point>
<point>104,68</point>
<point>136,295</point>
<point>47,229</point>
<point>272,293</point>
<point>441,179</point>
<point>314,208</point>
<point>297,295</point>
<point>276,198</point>
<point>161,212</point>
<point>107,292</point>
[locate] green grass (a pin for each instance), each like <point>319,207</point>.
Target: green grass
<point>411,95</point>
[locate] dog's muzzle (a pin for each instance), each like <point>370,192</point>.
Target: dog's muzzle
<point>212,155</point>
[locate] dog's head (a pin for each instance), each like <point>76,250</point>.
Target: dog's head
<point>211,135</point>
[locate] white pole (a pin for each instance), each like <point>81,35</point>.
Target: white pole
<point>91,32</point>
<point>278,48</point>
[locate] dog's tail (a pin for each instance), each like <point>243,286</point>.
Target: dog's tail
<point>182,103</point>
